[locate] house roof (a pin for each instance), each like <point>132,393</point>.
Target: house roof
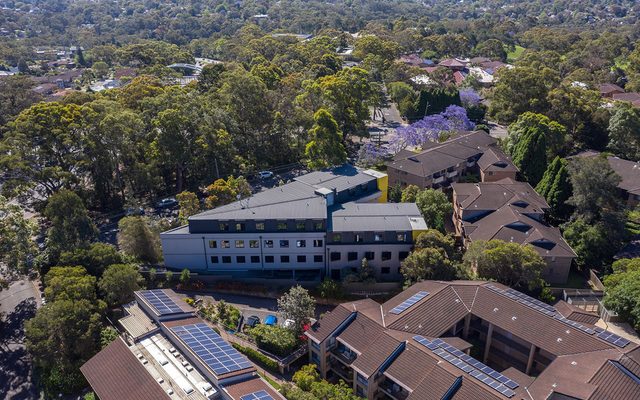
<point>242,388</point>
<point>371,217</point>
<point>607,88</point>
<point>116,374</point>
<point>493,159</point>
<point>576,314</point>
<point>325,326</point>
<point>491,196</point>
<point>452,62</point>
<point>440,156</point>
<point>379,350</point>
<point>630,97</point>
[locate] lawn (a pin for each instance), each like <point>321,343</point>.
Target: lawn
<point>515,54</point>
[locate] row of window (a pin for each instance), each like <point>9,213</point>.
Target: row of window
<point>260,226</point>
<point>267,259</point>
<point>369,255</point>
<point>377,237</point>
<point>255,243</point>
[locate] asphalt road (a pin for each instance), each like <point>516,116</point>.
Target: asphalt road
<point>17,304</point>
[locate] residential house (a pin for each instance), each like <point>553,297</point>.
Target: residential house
<point>472,340</point>
<point>608,90</point>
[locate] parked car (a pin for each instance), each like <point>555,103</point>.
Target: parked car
<point>167,203</point>
<point>252,321</point>
<point>265,174</point>
<point>134,211</point>
<point>289,323</point>
<point>271,320</point>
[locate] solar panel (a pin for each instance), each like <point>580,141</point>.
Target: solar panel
<point>259,395</point>
<point>612,338</point>
<point>575,325</point>
<point>530,299</point>
<point>216,353</point>
<point>470,365</point>
<point>525,300</point>
<point>409,302</point>
<point>160,302</point>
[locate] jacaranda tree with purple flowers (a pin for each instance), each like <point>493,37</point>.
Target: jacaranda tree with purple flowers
<point>431,128</point>
<point>469,97</point>
<point>370,155</point>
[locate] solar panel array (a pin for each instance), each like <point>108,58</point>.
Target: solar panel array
<point>470,365</point>
<point>611,337</point>
<point>259,395</point>
<point>525,300</point>
<point>160,302</point>
<point>216,353</point>
<point>575,324</point>
<point>409,302</point>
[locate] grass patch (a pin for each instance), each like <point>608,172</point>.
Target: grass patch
<point>515,54</point>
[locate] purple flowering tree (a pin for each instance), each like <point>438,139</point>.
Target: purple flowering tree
<point>430,128</point>
<point>469,97</point>
<point>371,154</point>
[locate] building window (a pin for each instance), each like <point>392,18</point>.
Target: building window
<point>259,226</point>
<point>385,270</point>
<point>401,237</point>
<point>301,243</point>
<point>317,243</point>
<point>335,256</point>
<point>214,259</point>
<point>213,244</point>
<point>302,259</point>
<point>284,243</point>
<point>282,226</point>
<point>490,173</point>
<point>359,238</point>
<point>386,255</point>
<point>284,259</point>
<point>337,237</point>
<point>362,380</point>
<point>224,227</point>
<point>254,244</point>
<point>268,259</point>
<point>225,244</point>
<point>226,259</point>
<point>239,244</point>
<point>300,226</point>
<point>239,227</point>
<point>255,259</point>
<point>369,255</point>
<point>352,256</point>
<point>318,226</point>
<point>378,237</point>
<point>317,258</point>
<point>268,243</point>
<point>241,259</point>
<point>402,255</point>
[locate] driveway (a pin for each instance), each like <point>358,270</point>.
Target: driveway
<point>17,304</point>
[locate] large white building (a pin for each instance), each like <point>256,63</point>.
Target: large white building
<point>321,224</point>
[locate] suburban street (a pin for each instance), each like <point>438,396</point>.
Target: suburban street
<point>17,304</point>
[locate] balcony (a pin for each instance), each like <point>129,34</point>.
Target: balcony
<point>470,164</point>
<point>343,355</point>
<point>393,390</point>
<point>452,174</point>
<point>438,179</point>
<point>343,372</point>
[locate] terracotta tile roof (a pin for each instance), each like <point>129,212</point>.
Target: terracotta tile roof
<point>238,389</point>
<point>379,350</point>
<point>116,374</point>
<point>576,314</point>
<point>625,387</point>
<point>494,159</point>
<point>467,293</point>
<point>326,325</point>
<point>491,196</point>
<point>630,97</point>
<point>403,369</point>
<point>608,88</point>
<point>425,286</point>
<point>359,334</point>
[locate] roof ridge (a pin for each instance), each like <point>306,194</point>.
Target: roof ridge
<point>462,301</point>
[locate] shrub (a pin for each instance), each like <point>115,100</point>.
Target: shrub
<point>274,339</point>
<point>257,357</point>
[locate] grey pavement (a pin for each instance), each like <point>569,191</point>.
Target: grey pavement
<point>17,304</point>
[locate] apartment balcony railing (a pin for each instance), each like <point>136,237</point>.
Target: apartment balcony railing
<point>393,390</point>
<point>471,163</point>
<point>342,371</point>
<point>345,357</point>
<point>438,179</point>
<point>452,174</point>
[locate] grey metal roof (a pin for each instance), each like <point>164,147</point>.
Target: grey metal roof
<point>340,178</point>
<point>370,217</point>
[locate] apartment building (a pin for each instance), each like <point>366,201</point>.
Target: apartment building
<point>472,340</point>
<point>166,352</point>
<point>320,224</point>
<point>440,164</point>
<point>511,211</point>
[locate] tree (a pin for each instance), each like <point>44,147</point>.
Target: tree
<point>223,192</point>
<point>100,69</point>
<point>17,247</point>
<point>69,283</point>
<point>305,376</point>
<point>139,239</point>
<point>491,48</point>
<point>578,110</point>
<point>428,263</point>
<point>431,128</point>
<point>555,135</point>
<point>107,335</point>
<point>409,194</point>
<point>529,155</point>
<point>370,155</point>
<point>15,96</point>
<point>118,283</point>
<point>512,264</point>
<point>624,132</point>
<point>189,205</point>
<point>297,305</point>
<point>594,185</point>
<point>70,225</point>
<point>325,146</point>
<point>185,276</point>
<point>366,273</point>
<point>94,258</point>
<point>621,270</point>
<point>330,289</point>
<point>432,238</point>
<point>434,207</point>
<point>595,241</point>
<point>555,187</point>
<point>624,297</point>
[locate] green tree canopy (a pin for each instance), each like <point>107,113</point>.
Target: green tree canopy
<point>434,207</point>
<point>555,187</point>
<point>325,146</point>
<point>297,305</point>
<point>94,258</point>
<point>118,283</point>
<point>624,132</point>
<point>189,205</point>
<point>428,263</point>
<point>17,247</point>
<point>595,186</point>
<point>139,239</point>
<point>529,155</point>
<point>624,297</point>
<point>410,194</point>
<point>555,134</point>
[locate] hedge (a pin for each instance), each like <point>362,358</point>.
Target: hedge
<point>258,358</point>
